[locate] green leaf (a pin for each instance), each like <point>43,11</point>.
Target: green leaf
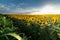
<point>59,35</point>
<point>15,35</point>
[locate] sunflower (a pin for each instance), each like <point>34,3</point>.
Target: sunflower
<point>44,24</point>
<point>54,20</point>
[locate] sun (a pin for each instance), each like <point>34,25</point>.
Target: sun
<point>47,9</point>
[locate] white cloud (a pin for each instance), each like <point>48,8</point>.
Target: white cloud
<point>46,9</point>
<point>4,9</point>
<point>17,10</point>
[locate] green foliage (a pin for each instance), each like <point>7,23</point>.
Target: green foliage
<point>37,32</point>
<point>6,27</point>
<point>13,29</point>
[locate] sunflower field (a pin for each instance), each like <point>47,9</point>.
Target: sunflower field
<point>29,27</point>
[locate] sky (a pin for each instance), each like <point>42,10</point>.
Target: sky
<point>30,6</point>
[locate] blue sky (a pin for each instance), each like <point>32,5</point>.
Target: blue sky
<point>29,6</point>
